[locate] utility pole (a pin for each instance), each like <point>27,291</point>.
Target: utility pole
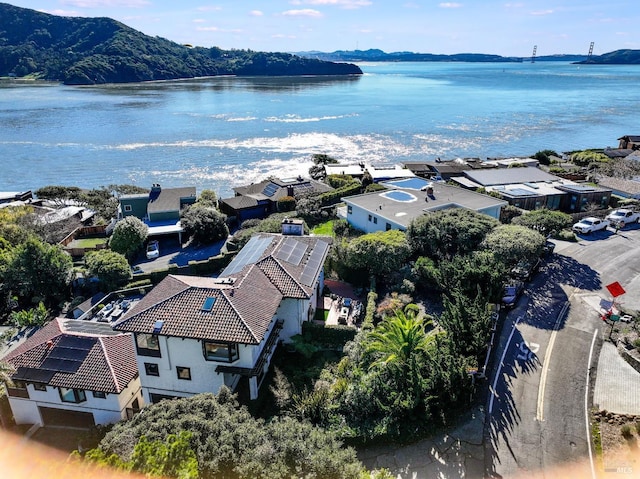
<point>533,55</point>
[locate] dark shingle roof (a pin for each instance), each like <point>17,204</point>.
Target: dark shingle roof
<point>107,364</point>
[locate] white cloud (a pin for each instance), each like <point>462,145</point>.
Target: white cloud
<point>346,4</point>
<point>198,20</point>
<point>256,13</point>
<point>542,12</point>
<point>207,29</point>
<point>106,3</point>
<point>62,13</point>
<point>305,12</point>
<point>209,8</point>
<point>450,5</point>
<point>282,35</point>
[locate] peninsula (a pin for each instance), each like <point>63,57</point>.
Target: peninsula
<point>87,51</point>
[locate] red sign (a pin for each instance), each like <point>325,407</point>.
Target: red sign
<point>615,289</point>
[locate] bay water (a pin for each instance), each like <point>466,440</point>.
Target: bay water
<point>217,133</point>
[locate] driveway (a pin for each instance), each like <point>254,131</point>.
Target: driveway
<point>171,252</point>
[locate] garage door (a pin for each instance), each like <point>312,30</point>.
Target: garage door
<point>64,417</point>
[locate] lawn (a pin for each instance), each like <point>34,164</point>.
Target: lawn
<point>324,229</point>
<point>87,242</point>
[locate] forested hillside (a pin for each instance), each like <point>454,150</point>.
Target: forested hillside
<point>84,51</point>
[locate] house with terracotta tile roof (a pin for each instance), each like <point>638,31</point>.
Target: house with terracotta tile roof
<point>195,334</point>
<point>74,373</point>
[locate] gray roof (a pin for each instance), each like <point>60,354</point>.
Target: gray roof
<point>403,212</point>
<point>630,187</point>
<point>507,176</point>
<point>169,199</point>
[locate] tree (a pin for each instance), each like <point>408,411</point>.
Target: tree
<point>227,442</point>
<point>128,236</point>
<point>511,243</point>
<point>467,322</point>
<point>286,203</point>
<point>208,197</point>
<point>6,371</point>
<point>37,271</point>
<point>111,268</point>
<point>30,317</point>
<point>544,221</point>
<point>317,171</point>
<point>446,233</point>
<point>204,224</point>
<point>380,252</point>
<point>477,273</point>
<point>398,344</point>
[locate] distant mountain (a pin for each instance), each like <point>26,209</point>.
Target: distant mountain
<point>617,57</point>
<point>375,55</point>
<point>83,51</point>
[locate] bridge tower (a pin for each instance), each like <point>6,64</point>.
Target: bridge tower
<point>533,55</point>
<point>590,51</point>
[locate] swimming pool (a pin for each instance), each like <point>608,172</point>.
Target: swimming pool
<point>397,195</point>
<point>410,183</point>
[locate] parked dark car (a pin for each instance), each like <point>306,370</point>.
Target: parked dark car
<point>512,292</point>
<point>525,269</point>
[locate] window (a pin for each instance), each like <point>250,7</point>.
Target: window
<point>183,373</point>
<point>151,369</point>
<point>99,394</point>
<point>127,208</point>
<point>72,395</point>
<point>369,217</point>
<point>148,345</point>
<point>349,209</point>
<point>375,220</point>
<point>39,387</point>
<point>19,390</point>
<point>387,226</point>
<point>220,351</point>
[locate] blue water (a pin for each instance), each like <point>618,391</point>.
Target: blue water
<point>401,196</point>
<point>222,132</point>
<point>410,183</point>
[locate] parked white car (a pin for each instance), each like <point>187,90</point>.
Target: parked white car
<point>589,225</point>
<point>153,250</point>
<point>623,216</point>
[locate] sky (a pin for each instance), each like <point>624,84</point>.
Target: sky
<point>508,28</point>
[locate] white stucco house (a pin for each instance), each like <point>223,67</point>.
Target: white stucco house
<point>407,199</point>
<point>74,373</point>
<point>194,334</point>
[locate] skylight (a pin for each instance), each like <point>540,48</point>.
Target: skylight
<point>208,303</point>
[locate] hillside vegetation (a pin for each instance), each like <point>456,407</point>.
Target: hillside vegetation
<point>85,51</point>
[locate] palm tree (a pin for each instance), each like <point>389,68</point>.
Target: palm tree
<point>399,344</point>
<point>6,371</point>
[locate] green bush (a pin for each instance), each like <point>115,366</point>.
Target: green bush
<point>333,196</point>
<point>139,283</point>
<point>286,203</point>
<point>626,431</point>
<point>567,235</point>
<point>372,297</point>
<point>327,335</point>
<point>213,265</point>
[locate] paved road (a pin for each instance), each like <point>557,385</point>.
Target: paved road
<point>536,419</point>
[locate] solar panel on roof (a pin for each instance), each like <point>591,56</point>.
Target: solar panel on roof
<point>520,192</point>
<point>68,353</point>
<point>33,374</point>
<point>61,365</point>
<point>270,189</point>
<point>75,342</point>
<point>291,251</point>
<point>251,253</point>
<point>314,263</point>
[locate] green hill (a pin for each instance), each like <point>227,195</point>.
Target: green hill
<point>85,51</point>
<point>617,57</point>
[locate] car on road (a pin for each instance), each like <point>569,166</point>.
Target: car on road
<point>512,292</point>
<point>590,224</point>
<point>623,216</point>
<point>153,249</point>
<point>525,269</point>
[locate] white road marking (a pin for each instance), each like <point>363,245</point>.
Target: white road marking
<point>586,404</point>
<point>504,353</point>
